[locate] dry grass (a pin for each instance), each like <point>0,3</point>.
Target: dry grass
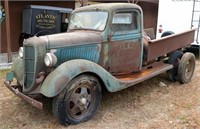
<point>144,106</point>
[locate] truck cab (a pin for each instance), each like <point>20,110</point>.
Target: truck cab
<point>105,47</point>
<point>121,34</point>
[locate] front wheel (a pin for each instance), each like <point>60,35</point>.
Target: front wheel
<point>186,68</point>
<point>79,101</point>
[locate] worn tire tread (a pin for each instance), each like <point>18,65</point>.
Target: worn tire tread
<point>181,69</point>
<point>59,103</point>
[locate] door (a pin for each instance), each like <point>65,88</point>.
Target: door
<point>125,43</point>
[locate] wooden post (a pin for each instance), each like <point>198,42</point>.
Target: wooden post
<point>8,35</point>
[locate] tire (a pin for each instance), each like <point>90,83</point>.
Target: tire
<point>174,59</point>
<point>186,68</point>
<point>79,101</point>
<point>166,33</point>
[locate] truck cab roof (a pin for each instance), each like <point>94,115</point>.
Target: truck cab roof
<point>109,7</point>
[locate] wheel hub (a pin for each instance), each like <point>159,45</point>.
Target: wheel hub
<point>83,103</point>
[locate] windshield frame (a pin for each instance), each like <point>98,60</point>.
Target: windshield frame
<point>91,10</point>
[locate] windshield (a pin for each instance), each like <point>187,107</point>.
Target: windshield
<point>95,20</point>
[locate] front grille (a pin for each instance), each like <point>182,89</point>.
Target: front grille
<point>29,62</point>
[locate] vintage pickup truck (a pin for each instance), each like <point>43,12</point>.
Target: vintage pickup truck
<point>105,47</point>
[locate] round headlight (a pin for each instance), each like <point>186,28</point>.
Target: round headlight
<point>50,59</point>
<point>21,52</point>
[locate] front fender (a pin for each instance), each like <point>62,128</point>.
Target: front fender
<point>18,70</point>
<point>56,81</point>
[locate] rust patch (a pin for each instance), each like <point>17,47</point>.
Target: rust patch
<point>146,73</point>
<point>124,57</point>
<point>82,69</point>
<point>40,78</point>
<point>28,99</point>
<point>160,47</point>
<point>60,83</point>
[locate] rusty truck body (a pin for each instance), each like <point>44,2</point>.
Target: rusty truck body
<point>105,47</point>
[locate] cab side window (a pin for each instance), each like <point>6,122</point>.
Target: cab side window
<point>125,21</point>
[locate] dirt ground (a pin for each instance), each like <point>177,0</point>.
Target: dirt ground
<point>144,106</point>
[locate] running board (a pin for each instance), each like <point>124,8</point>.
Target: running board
<point>146,73</point>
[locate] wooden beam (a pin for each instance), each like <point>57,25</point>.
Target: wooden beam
<point>8,35</point>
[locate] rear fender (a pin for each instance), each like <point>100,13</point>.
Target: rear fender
<point>57,80</point>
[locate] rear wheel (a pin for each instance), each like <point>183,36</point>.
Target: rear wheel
<point>79,101</point>
<point>186,68</point>
<point>174,59</point>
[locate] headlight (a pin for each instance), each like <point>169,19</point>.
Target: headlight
<point>50,59</point>
<point>21,52</point>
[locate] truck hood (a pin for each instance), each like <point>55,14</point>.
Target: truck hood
<point>72,39</point>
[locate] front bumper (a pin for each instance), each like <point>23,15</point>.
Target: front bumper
<point>14,89</point>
